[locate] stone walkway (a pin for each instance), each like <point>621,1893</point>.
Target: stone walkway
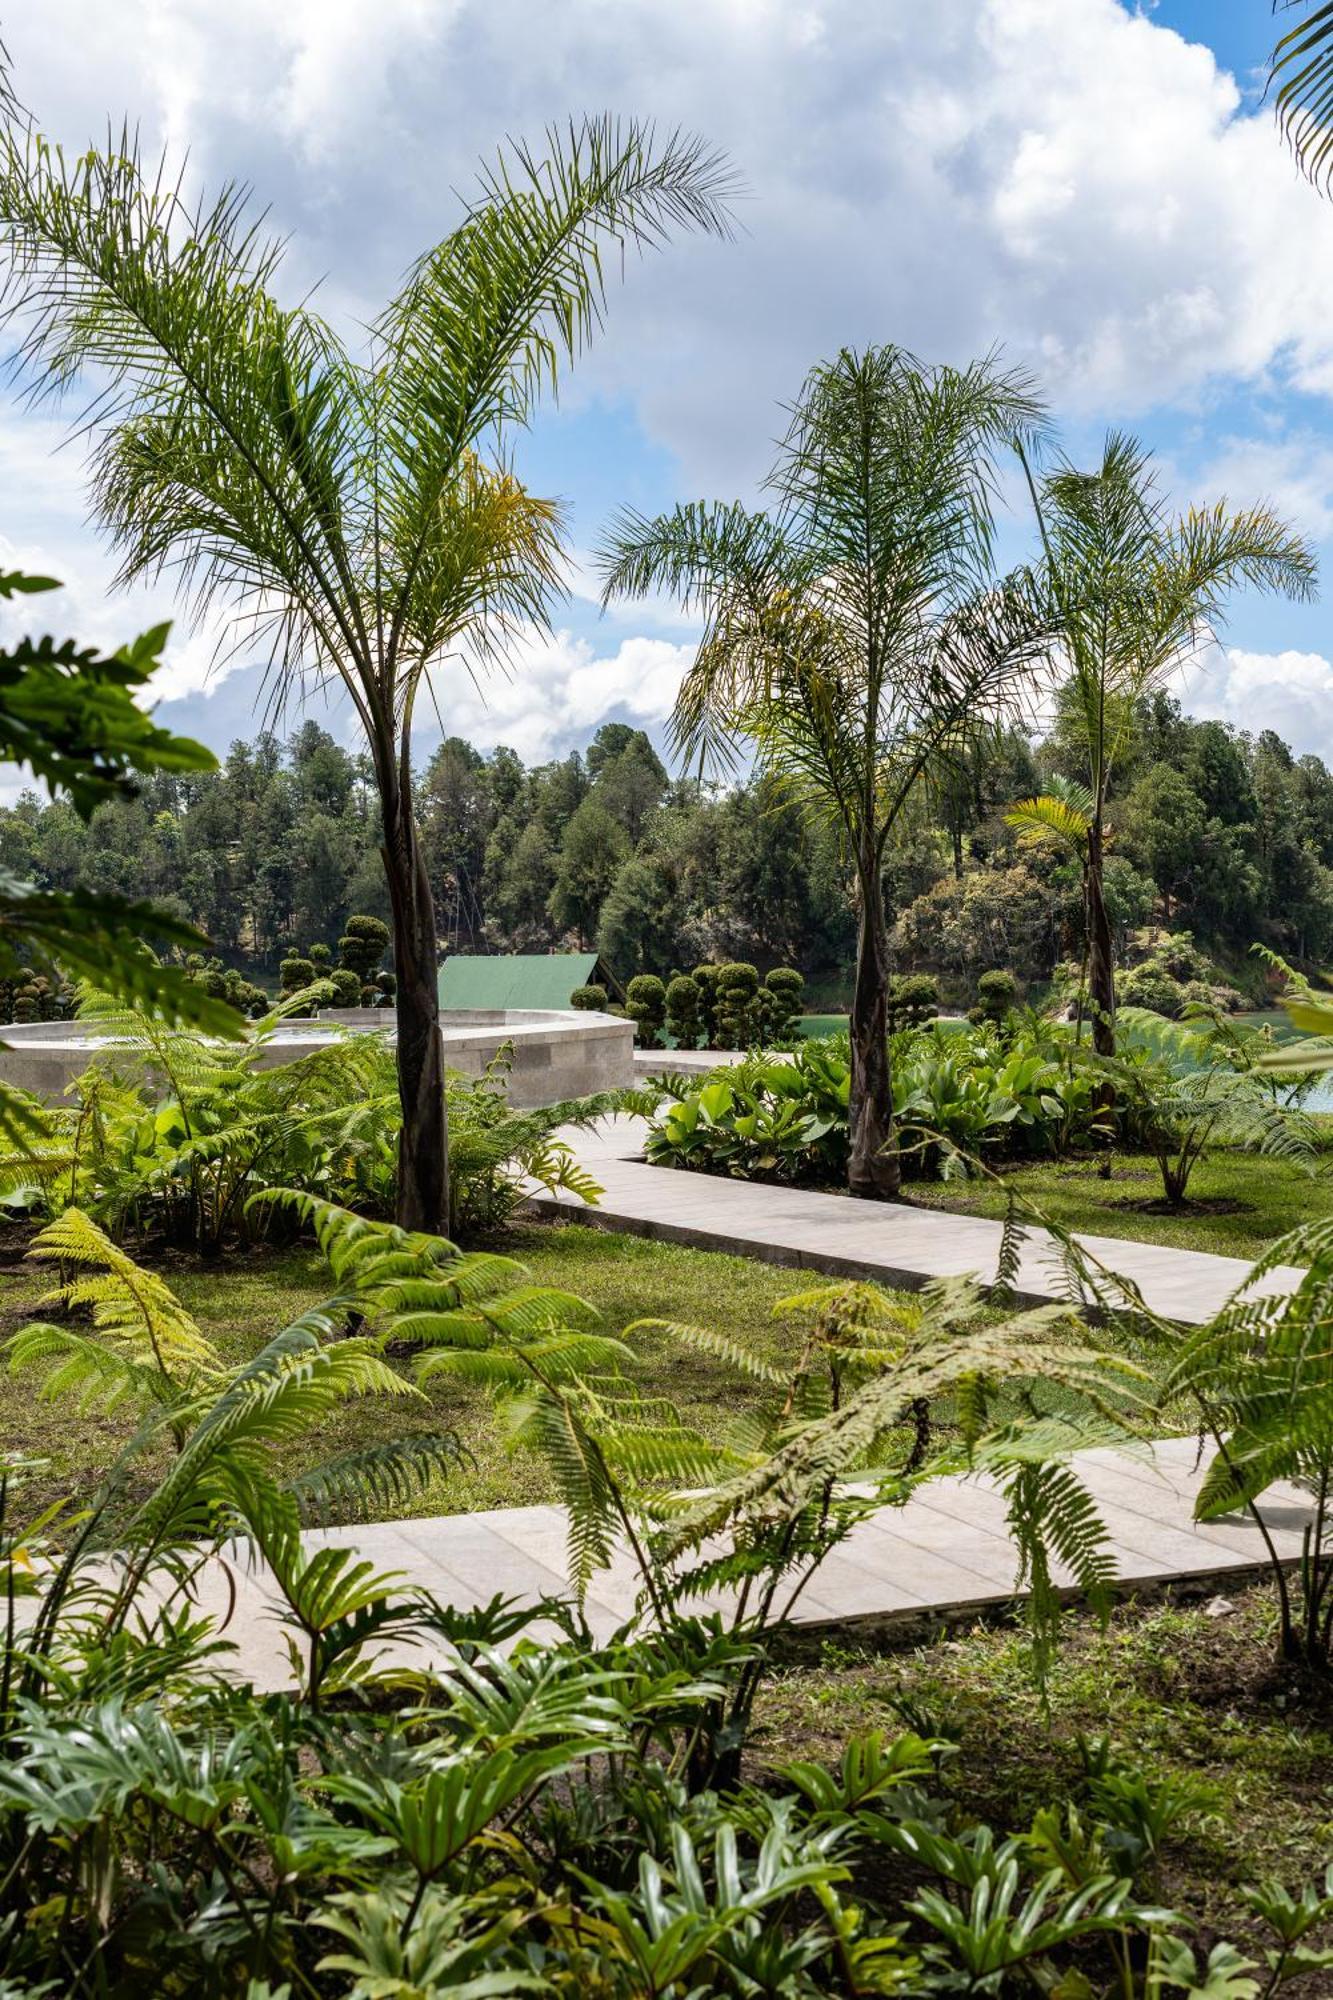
<point>894,1243</point>
<point>944,1557</point>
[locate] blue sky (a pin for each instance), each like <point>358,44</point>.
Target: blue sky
<point>1093,186</point>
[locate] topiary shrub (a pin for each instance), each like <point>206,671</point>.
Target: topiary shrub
<point>705,978</point>
<point>362,945</point>
<point>385,989</point>
<point>589,999</point>
<point>347,986</point>
<point>914,999</point>
<point>996,994</point>
<point>738,1020</point>
<point>27,1004</point>
<point>296,972</point>
<point>645,1003</point>
<point>684,1011</point>
<point>320,957</point>
<point>781,1003</point>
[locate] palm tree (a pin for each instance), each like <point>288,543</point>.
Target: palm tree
<point>855,630</point>
<point>1135,592</point>
<point>1302,68</point>
<point>357,511</point>
<point>1061,818</point>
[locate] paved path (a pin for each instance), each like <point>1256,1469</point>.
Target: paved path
<point>944,1556</point>
<point>892,1242</point>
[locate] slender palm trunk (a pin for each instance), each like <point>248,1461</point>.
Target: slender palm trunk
<point>1101,948</point>
<point>423,1142</point>
<point>874,1169</point>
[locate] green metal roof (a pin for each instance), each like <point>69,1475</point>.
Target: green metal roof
<point>542,979</point>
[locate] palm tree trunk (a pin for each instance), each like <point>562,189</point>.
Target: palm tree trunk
<point>874,1169</point>
<point>423,1141</point>
<point>1101,950</point>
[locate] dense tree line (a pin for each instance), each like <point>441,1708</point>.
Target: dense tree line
<point>1214,832</point>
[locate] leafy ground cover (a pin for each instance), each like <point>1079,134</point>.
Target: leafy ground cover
<point>239,1302</point>
<point>1192,1697</point>
<point>1239,1201</point>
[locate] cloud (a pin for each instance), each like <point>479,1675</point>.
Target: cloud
<point>558,689</point>
<point>1069,178</point>
<point>1066,176</point>
<point>1290,692</point>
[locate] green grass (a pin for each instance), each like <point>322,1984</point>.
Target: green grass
<point>247,1297</point>
<point>1177,1691</point>
<point>1239,1202</point>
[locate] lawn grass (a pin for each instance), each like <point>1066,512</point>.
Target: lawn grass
<point>1178,1691</point>
<point>250,1295</point>
<point>242,1300</point>
<point>1239,1201</point>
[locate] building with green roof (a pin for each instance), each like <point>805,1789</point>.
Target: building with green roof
<point>536,980</point>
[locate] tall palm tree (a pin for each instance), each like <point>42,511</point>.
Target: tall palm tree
<point>1135,593</point>
<point>855,629</point>
<point>357,509</point>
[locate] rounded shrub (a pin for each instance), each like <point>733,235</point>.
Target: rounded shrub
<point>996,994</point>
<point>645,1003</point>
<point>914,999</point>
<point>589,999</point>
<point>684,1011</point>
<point>738,1018</point>
<point>781,999</point>
<point>362,945</point>
<point>705,978</point>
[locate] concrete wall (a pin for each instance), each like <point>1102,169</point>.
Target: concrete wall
<point>555,1056</point>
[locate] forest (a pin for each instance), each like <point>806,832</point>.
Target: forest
<point>1214,833</point>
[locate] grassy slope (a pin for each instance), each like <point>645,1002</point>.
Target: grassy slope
<point>1178,1692</point>
<point>1257,1200</point>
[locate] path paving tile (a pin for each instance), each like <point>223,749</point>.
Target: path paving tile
<point>945,1553</point>
<point>895,1243</point>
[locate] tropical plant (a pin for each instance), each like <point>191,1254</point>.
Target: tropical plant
<point>1183,1087</point>
<point>1301,66</point>
<point>1062,818</point>
<point>1134,593</point>
<point>438,1799</point>
<point>360,512</point>
<point>68,712</point>
<point>855,631</point>
<point>1262,1376</point>
<point>171,1132</point>
<point>955,1097</point>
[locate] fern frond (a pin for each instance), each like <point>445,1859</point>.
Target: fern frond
<point>133,1309</point>
<point>706,1340</point>
<point>378,1478</point>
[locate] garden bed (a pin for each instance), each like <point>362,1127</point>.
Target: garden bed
<point>1183,1693</point>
